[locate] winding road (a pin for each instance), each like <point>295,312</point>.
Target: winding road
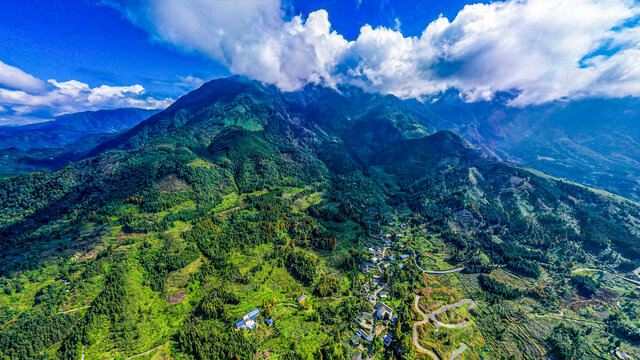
<point>424,320</point>
<point>637,272</point>
<point>146,352</point>
<point>450,271</point>
<point>459,351</point>
<point>437,323</point>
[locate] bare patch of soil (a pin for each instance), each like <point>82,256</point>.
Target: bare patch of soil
<point>176,298</point>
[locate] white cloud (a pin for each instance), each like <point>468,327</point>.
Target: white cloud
<point>56,98</point>
<point>14,78</point>
<point>189,82</point>
<point>249,37</point>
<point>533,46</point>
<point>397,24</point>
<point>541,48</point>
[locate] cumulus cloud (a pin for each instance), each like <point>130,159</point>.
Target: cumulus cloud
<point>189,82</point>
<point>249,37</point>
<point>14,78</point>
<point>26,103</point>
<point>541,49</point>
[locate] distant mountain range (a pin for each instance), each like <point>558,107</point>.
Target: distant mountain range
<point>53,144</point>
<point>66,129</point>
<point>239,196</point>
<point>595,142</point>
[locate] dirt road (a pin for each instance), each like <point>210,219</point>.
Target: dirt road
<point>444,271</point>
<point>146,352</point>
<point>437,323</point>
<point>450,271</point>
<point>636,282</point>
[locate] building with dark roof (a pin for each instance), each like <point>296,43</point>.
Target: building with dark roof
<point>248,321</point>
<point>383,311</point>
<point>387,339</point>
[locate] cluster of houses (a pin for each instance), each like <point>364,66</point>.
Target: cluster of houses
<point>249,322</point>
<point>367,325</point>
<point>386,256</point>
<point>382,260</point>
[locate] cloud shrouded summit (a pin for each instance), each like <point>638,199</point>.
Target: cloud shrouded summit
<point>544,49</point>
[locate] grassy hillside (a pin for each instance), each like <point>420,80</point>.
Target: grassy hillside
<point>238,197</point>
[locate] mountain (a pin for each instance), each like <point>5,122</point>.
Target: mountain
<point>51,145</point>
<point>595,142</point>
<point>66,129</point>
<point>15,161</point>
<point>164,240</point>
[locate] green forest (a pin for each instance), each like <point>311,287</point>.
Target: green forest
<point>352,229</point>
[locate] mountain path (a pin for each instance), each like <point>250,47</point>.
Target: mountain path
<point>384,250</point>
<point>637,272</point>
<point>233,209</point>
<point>146,352</point>
<point>438,324</point>
<point>73,310</point>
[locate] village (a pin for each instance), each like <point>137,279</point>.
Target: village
<point>387,253</point>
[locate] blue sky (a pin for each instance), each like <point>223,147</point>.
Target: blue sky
<point>95,44</point>
<point>81,40</point>
<point>72,55</point>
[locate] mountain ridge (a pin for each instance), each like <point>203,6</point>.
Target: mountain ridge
<point>66,129</point>
<point>550,137</point>
<point>228,202</point>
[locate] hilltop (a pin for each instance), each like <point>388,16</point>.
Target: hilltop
<point>239,196</point>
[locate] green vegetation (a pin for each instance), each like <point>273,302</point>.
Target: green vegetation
<point>240,197</point>
<point>586,285</point>
<point>498,288</point>
<point>566,343</point>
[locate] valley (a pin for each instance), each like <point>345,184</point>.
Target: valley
<point>354,230</point>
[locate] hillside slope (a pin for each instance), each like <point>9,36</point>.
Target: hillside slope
<point>240,197</point>
<point>595,142</point>
<point>51,145</point>
<point>66,129</point>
